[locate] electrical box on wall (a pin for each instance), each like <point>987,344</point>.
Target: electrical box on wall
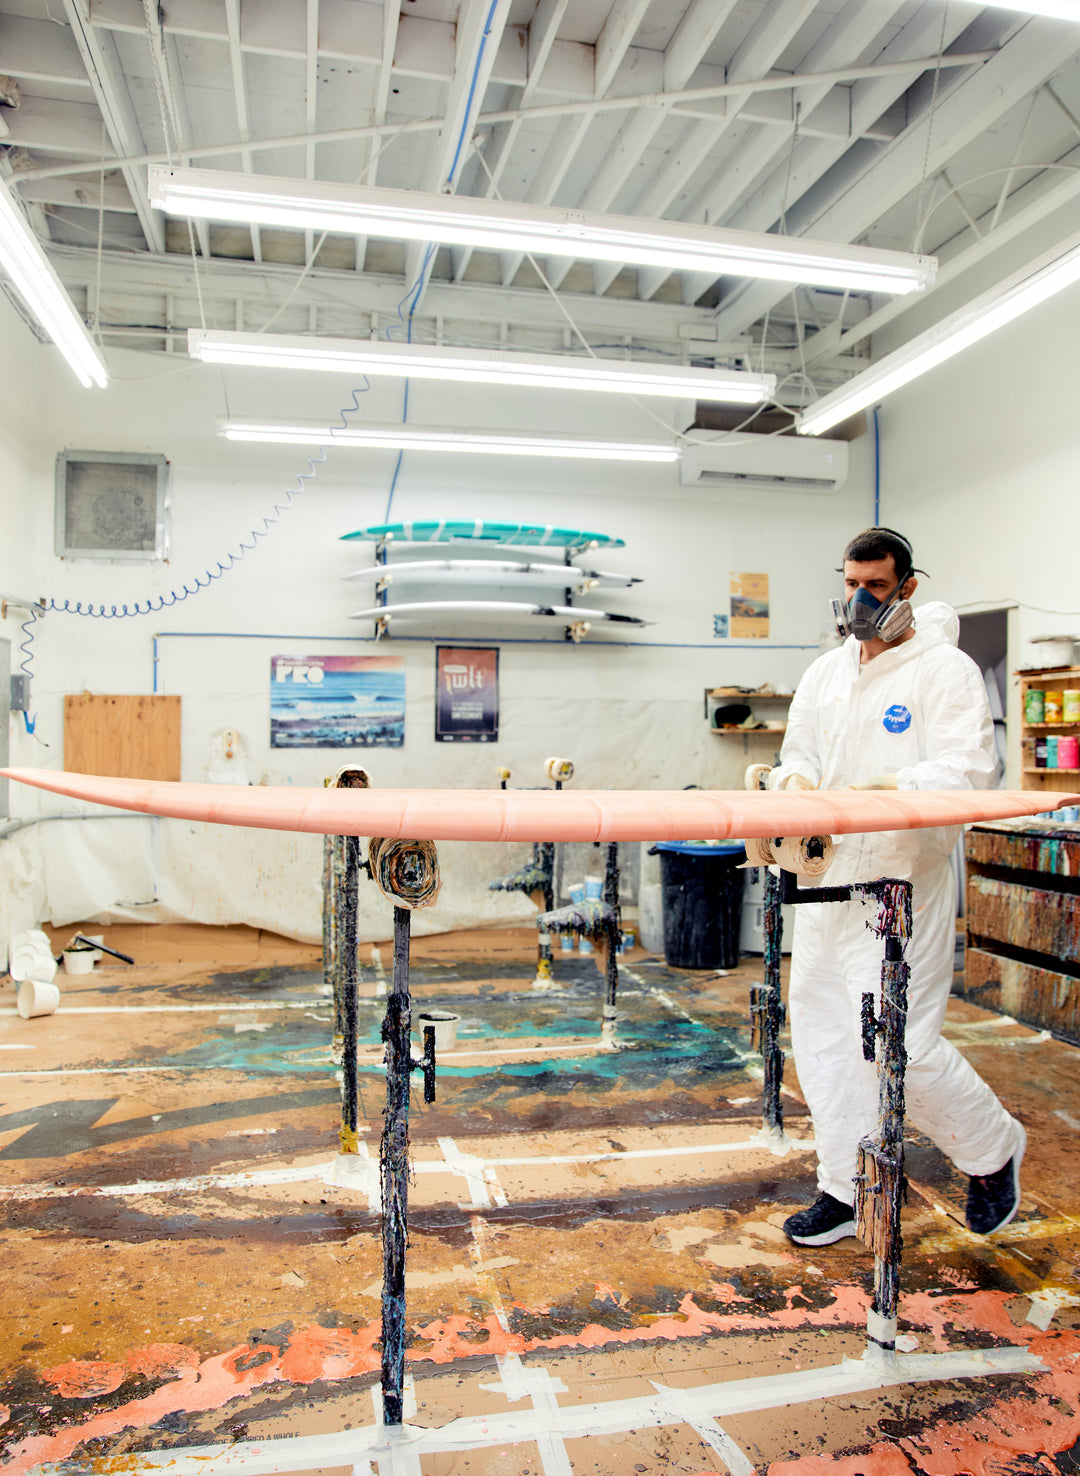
<point>112,505</point>
<point>20,692</point>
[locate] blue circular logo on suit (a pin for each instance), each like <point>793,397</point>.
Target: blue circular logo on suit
<point>897,718</point>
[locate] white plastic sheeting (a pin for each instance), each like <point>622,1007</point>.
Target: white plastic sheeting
<point>171,871</point>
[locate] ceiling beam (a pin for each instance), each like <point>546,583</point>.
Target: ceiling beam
<point>793,176</point>
<point>40,52</point>
<point>1037,50</point>
<point>850,34</point>
<point>618,32</point>
<point>543,30</point>
<point>685,52</point>
<point>342,293</point>
<point>243,126</point>
<point>776,28</point>
<point>479,30</point>
<point>370,149</point>
<point>99,55</point>
<point>1036,202</point>
<point>569,108</point>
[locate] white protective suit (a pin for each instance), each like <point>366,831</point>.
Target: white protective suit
<point>918,711</point>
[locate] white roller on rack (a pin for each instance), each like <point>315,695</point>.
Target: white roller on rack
<point>808,855</point>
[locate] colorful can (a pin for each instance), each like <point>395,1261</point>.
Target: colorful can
<point>1069,752</point>
<point>1034,708</point>
<point>1052,752</point>
<point>1040,753</point>
<point>1070,705</point>
<point>1053,703</point>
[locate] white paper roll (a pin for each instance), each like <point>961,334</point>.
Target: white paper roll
<point>807,855</point>
<point>759,852</point>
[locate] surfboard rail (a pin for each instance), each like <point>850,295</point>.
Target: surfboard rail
<point>547,814</point>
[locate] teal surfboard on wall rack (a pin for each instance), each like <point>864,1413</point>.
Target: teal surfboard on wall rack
<point>532,535</point>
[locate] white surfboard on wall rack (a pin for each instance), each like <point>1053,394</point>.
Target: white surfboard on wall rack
<point>491,571</point>
<point>501,610</point>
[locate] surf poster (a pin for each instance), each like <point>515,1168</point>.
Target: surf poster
<point>466,694</point>
<point>749,607</point>
<point>337,701</point>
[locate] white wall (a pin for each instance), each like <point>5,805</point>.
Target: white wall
<point>628,715</point>
<point>980,462</point>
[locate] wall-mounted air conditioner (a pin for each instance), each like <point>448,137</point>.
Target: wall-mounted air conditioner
<point>742,459</point>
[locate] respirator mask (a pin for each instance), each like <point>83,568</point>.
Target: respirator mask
<point>870,619</point>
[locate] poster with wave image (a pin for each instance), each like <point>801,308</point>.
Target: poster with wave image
<point>337,701</point>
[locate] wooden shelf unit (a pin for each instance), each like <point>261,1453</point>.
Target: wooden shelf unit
<point>1052,679</point>
<point>1022,919</point>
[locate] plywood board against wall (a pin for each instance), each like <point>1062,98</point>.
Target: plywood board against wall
<point>128,737</point>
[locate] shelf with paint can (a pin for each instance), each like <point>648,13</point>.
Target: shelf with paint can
<point>1049,723</point>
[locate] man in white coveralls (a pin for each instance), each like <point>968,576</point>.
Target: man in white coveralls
<point>897,706</point>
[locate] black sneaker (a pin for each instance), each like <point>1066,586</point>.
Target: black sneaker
<point>994,1198</point>
<point>826,1220</point>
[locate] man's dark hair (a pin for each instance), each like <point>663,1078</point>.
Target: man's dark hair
<point>879,543</point>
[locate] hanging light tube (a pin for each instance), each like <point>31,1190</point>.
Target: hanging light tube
<point>480,366</point>
<point>432,438</point>
<point>1025,289</point>
<point>33,277</point>
<point>503,225</point>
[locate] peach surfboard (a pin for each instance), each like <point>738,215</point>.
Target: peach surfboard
<point>551,815</point>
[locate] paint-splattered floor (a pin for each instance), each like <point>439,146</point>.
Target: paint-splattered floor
<point>598,1279</point>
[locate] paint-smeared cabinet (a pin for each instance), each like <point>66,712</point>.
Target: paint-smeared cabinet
<point>1023,923</point>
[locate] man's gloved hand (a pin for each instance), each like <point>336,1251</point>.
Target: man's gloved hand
<point>879,781</point>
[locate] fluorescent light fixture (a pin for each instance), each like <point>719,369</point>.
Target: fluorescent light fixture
<point>503,225</point>
<point>1025,289</point>
<point>33,277</point>
<point>431,438</point>
<point>480,366</point>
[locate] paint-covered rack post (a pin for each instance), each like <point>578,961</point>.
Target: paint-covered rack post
<point>408,873</point>
<point>767,1011</point>
<point>341,872</point>
<point>880,1186</point>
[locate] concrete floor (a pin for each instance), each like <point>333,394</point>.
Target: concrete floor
<point>598,1279</point>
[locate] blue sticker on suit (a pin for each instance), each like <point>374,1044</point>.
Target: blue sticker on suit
<point>897,718</point>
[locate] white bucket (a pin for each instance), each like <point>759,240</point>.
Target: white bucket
<point>97,938</point>
<point>446,1028</point>
<point>35,998</point>
<point>33,963</point>
<point>25,936</point>
<point>79,960</point>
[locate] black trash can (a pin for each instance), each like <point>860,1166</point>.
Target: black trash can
<point>701,888</point>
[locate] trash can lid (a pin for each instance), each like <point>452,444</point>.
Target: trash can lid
<point>705,849</point>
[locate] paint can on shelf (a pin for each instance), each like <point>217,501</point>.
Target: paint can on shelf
<point>1034,707</point>
<point>1070,705</point>
<point>1040,753</point>
<point>1052,751</point>
<point>1068,749</point>
<point>1053,703</point>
